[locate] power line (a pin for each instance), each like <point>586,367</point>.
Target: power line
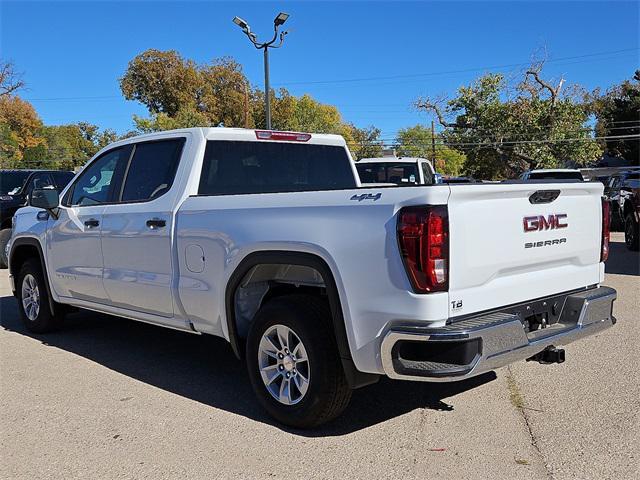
<point>364,79</point>
<point>514,142</point>
<point>52,99</point>
<point>465,70</point>
<point>393,135</point>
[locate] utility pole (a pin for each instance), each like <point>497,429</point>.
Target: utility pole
<point>433,143</point>
<point>246,106</point>
<point>279,20</point>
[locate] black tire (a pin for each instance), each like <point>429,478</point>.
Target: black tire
<point>5,235</point>
<point>616,220</point>
<point>42,321</point>
<point>328,393</point>
<point>631,232</point>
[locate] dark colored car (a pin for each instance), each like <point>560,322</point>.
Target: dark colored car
<point>629,209</point>
<point>15,187</point>
<point>613,193</point>
<point>552,174</point>
<point>459,180</point>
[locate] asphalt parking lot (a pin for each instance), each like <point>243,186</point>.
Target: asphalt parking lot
<point>110,398</point>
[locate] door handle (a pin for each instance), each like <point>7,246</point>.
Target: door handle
<point>91,223</point>
<point>156,223</point>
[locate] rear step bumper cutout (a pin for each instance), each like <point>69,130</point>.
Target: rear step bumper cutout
<point>480,344</point>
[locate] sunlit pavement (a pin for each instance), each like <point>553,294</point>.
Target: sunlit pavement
<point>110,398</point>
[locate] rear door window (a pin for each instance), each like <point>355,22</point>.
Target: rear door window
<point>231,168</point>
<point>152,169</point>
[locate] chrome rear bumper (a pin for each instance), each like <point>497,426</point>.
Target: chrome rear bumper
<point>480,344</point>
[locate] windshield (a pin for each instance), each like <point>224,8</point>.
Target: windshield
<point>11,182</point>
<point>400,173</point>
<point>556,175</point>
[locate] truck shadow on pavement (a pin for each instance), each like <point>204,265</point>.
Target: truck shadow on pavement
<point>204,369</point>
<point>622,261</point>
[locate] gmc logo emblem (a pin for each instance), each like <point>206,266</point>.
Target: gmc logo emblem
<point>540,222</point>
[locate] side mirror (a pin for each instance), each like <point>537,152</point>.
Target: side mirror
<point>48,199</point>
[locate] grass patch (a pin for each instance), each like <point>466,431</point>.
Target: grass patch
<point>515,396</point>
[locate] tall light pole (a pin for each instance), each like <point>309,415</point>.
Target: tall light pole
<point>279,20</point>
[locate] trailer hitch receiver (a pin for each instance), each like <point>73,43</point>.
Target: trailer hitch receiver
<point>549,355</point>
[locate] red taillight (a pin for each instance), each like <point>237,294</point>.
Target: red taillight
<point>283,136</point>
<point>606,230</point>
<point>423,237</point>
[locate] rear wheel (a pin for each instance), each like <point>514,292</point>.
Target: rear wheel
<point>5,235</point>
<point>293,362</point>
<point>631,234</point>
<point>616,220</point>
<point>33,299</point>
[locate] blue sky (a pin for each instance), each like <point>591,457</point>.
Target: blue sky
<point>371,59</point>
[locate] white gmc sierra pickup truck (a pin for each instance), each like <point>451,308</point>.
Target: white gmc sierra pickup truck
<point>268,240</point>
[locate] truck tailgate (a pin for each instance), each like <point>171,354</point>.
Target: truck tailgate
<point>504,249</point>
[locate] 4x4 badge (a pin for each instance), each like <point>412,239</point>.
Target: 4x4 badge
<point>367,196</point>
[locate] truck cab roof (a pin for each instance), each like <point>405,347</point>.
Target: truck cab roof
<point>393,159</point>
<point>246,134</point>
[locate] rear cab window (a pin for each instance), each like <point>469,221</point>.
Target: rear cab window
<point>243,167</point>
<point>400,173</point>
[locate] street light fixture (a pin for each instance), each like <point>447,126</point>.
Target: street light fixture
<point>280,19</point>
<point>265,46</point>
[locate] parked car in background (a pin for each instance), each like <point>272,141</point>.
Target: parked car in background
<point>616,190</point>
<point>269,240</point>
<point>396,170</point>
<point>15,187</point>
<point>446,179</point>
<point>623,194</point>
<point>603,179</point>
<point>552,174</point>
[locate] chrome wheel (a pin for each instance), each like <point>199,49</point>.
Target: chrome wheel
<point>30,297</point>
<point>284,364</point>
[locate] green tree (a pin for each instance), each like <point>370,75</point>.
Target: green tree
<point>363,142</point>
<point>20,129</point>
<point>416,141</point>
<point>180,93</point>
<point>503,132</point>
<point>184,118</point>
<point>68,146</point>
<point>162,81</point>
<point>618,113</point>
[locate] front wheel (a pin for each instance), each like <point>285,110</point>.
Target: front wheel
<point>5,235</point>
<point>33,299</point>
<point>631,232</point>
<point>293,362</point>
